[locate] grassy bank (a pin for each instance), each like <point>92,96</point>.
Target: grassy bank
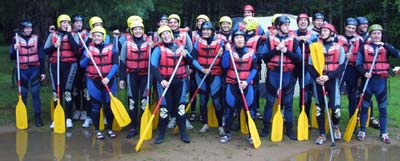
<point>9,98</point>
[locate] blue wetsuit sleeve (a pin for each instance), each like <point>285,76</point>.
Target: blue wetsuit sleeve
<point>155,59</point>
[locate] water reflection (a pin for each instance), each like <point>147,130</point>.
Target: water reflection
<point>21,143</point>
<point>362,152</point>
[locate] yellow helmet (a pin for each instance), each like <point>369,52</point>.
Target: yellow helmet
<point>175,16</point>
<point>203,16</point>
<point>133,18</point>
<point>134,24</point>
<point>225,19</point>
<point>62,17</point>
<point>99,29</point>
<point>251,23</point>
<point>274,17</point>
<point>93,20</point>
<point>163,29</point>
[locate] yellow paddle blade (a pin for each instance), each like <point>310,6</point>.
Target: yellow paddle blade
<point>314,122</point>
<point>101,119</point>
<point>144,121</point>
<point>369,117</point>
<point>211,116</point>
<point>302,126</point>
<point>59,145</point>
<point>156,117</point>
<point>348,133</point>
<point>253,131</point>
<point>119,111</point>
<point>21,143</point>
<point>274,108</point>
<point>277,126</point>
<point>348,154</point>
<point>317,56</point>
<point>243,124</point>
<point>59,119</point>
<point>21,116</point>
<point>146,130</point>
<point>52,108</point>
<point>115,126</point>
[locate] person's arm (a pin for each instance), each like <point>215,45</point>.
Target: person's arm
<point>360,61</point>
<point>269,53</point>
<point>49,46</point>
<point>226,59</point>
<point>12,53</point>
<point>155,59</point>
<point>85,60</point>
<point>41,55</point>
<point>189,45</point>
<point>122,57</point>
<point>73,41</point>
<point>392,51</point>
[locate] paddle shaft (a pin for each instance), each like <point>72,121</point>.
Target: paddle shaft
<point>202,81</point>
<point>18,70</point>
<point>280,81</point>
<point>148,76</point>
<point>346,63</point>
<point>303,74</point>
<point>58,73</point>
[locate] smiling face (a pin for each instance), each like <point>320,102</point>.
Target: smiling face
<point>284,28</point>
<point>97,38</point>
<point>325,33</point>
<point>65,25</point>
<point>318,23</point>
<point>248,13</point>
<point>206,33</point>
<point>78,25</point>
<point>199,22</point>
<point>166,37</point>
<point>376,36</point>
<point>225,26</point>
<point>303,23</point>
<point>173,24</point>
<point>27,30</point>
<point>349,30</point>
<point>137,32</point>
<point>239,41</point>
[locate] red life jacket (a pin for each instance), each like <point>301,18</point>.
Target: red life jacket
<point>66,54</point>
<point>103,60</point>
<point>274,63</point>
<point>347,44</point>
<point>28,52</point>
<point>207,54</point>
<point>306,46</point>
<point>243,66</point>
<point>168,62</point>
<point>137,58</point>
<point>332,56</point>
<point>195,36</point>
<point>381,64</point>
<point>222,37</point>
<point>181,39</point>
<point>252,42</point>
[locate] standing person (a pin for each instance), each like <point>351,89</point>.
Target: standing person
<point>196,34</point>
<point>246,64</point>
<point>134,69</point>
<point>334,56</point>
<point>97,21</point>
<point>350,40</point>
<point>362,28</point>
<point>289,46</point>
<point>31,65</point>
<point>377,84</point>
<point>318,20</point>
<point>67,41</point>
<point>305,38</point>
<point>256,43</point>
<point>206,48</point>
<point>248,11</point>
<point>181,37</point>
<point>106,60</point>
<point>163,20</point>
<point>225,26</point>
<point>164,59</point>
<point>79,91</point>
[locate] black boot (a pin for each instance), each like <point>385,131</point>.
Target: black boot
<point>38,120</point>
<point>289,131</point>
<point>265,131</point>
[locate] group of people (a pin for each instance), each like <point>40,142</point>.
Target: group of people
<point>224,65</point>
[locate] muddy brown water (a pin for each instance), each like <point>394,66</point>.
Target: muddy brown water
<point>40,144</point>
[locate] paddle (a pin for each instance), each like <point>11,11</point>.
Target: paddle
<point>58,146</point>
<point>318,61</point>
<point>146,114</point>
<point>302,124</point>
<point>21,116</point>
<point>117,108</point>
<point>153,106</point>
<point>244,129</point>
<point>277,121</point>
<point>348,133</point>
<point>101,119</point>
<point>252,126</point>
<point>149,124</point>
<point>59,116</point>
<point>212,120</point>
<point>314,122</point>
<point>115,126</point>
<point>198,89</point>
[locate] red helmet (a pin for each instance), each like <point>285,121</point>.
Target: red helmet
<point>302,15</point>
<point>248,7</point>
<point>329,26</point>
